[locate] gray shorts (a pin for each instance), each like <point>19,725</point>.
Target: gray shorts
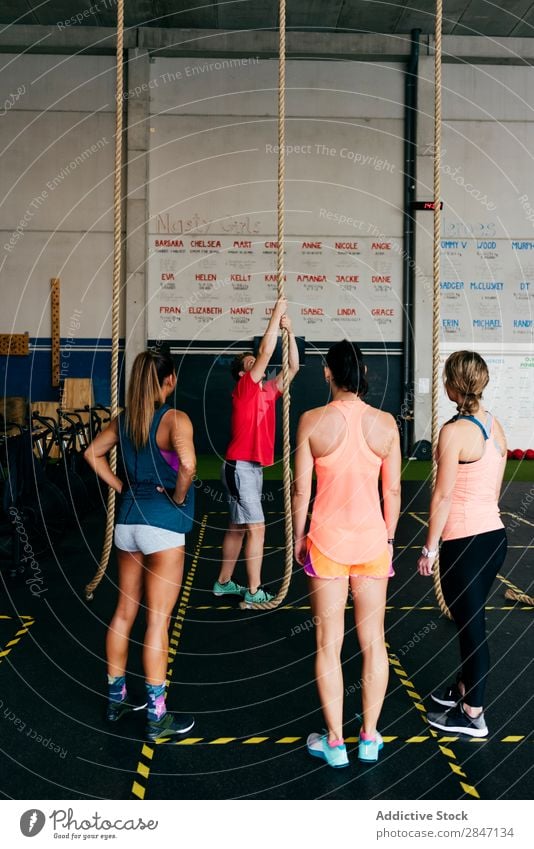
<point>146,538</point>
<point>243,482</point>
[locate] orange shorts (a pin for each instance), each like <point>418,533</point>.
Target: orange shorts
<point>318,565</point>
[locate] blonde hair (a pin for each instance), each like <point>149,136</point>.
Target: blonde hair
<point>466,373</point>
<point>144,396</point>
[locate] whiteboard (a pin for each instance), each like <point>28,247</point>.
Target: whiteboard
<point>487,291</point>
<point>212,201</point>
<point>221,287</point>
<point>508,395</point>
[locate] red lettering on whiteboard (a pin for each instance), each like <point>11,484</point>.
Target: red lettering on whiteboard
<point>205,243</point>
<point>311,278</point>
<point>169,243</point>
<point>205,310</point>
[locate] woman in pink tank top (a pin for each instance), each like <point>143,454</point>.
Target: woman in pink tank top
<point>349,445</point>
<point>464,513</point>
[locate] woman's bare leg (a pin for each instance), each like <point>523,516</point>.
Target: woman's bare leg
<point>369,596</point>
<point>328,601</point>
<point>130,565</point>
<point>163,581</point>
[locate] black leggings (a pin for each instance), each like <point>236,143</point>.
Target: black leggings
<point>468,567</point>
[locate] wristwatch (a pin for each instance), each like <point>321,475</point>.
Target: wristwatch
<point>426,552</point>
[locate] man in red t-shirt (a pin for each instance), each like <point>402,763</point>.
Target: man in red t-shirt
<point>252,447</point>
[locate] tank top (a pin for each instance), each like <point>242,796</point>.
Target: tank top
<point>347,524</point>
<point>146,469</point>
<point>474,503</point>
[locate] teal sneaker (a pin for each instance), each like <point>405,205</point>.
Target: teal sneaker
<point>259,597</point>
<point>229,588</point>
<point>368,749</point>
<point>318,747</point>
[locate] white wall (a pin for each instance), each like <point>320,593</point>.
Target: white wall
<point>57,149</point>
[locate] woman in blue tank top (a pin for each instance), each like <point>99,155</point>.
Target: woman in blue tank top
<point>154,513</point>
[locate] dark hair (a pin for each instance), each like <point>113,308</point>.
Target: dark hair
<point>149,370</point>
<point>237,364</point>
<point>345,361</point>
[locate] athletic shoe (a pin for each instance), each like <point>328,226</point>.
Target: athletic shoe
<point>170,725</point>
<point>259,597</point>
<point>459,722</point>
<point>116,710</point>
<point>448,697</point>
<point>368,749</point>
<point>229,588</point>
<point>318,747</point>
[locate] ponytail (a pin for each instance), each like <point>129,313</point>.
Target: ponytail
<point>144,395</point>
<point>469,405</point>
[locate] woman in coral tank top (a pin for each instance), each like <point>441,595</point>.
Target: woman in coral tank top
<point>350,540</point>
<point>464,513</point>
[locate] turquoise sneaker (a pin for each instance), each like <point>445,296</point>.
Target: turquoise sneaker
<point>318,747</point>
<point>368,749</point>
<point>229,588</point>
<point>259,597</point>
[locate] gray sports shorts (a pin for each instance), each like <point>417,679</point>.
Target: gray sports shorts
<point>243,482</point>
<point>146,538</point>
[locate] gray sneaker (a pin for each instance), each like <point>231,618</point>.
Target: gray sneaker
<point>448,696</point>
<point>229,588</point>
<point>457,721</point>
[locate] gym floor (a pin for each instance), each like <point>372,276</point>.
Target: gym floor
<point>247,676</point>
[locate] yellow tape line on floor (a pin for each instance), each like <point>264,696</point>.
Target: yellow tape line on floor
<point>349,606</point>
<point>447,753</point>
<point>17,637</point>
<point>292,740</point>
<point>147,752</point>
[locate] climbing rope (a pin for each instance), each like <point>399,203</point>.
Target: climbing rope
<point>436,276</point>
<point>286,467</point>
<point>115,311</point>
<point>515,595</point>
